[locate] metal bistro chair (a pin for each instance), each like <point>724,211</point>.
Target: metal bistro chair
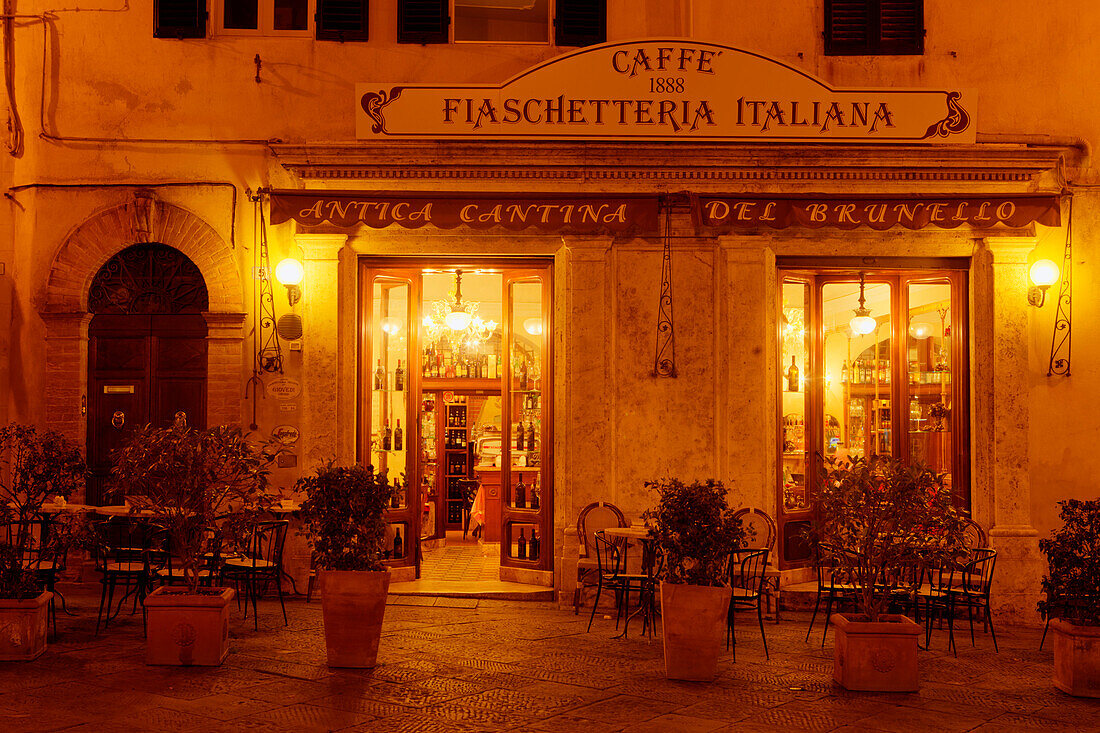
<point>468,487</point>
<point>611,574</point>
<point>124,548</point>
<point>969,589</point>
<point>764,536</point>
<point>595,516</point>
<point>746,572</point>
<point>833,582</point>
<point>36,555</point>
<point>261,562</point>
<point>171,571</point>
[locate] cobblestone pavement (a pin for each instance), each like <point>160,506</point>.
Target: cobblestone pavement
<point>468,665</point>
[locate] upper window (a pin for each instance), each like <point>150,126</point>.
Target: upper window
<point>337,20</point>
<point>573,22</point>
<point>865,27</point>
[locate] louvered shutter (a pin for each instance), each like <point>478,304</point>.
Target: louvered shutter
<point>580,22</point>
<point>901,26</point>
<point>342,20</point>
<point>423,21</point>
<point>179,19</point>
<point>854,27</point>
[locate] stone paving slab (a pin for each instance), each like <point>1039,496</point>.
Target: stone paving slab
<point>495,665</point>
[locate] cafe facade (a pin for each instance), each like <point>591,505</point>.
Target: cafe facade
<point>659,251</point>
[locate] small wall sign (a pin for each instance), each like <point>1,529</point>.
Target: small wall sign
<point>286,434</point>
<point>284,388</point>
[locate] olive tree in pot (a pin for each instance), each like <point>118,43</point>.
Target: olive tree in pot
<point>33,467</point>
<point>695,530</point>
<point>880,520</point>
<point>1072,603</point>
<point>344,514</point>
<point>205,488</point>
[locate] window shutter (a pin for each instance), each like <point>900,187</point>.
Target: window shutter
<point>854,27</point>
<point>342,20</point>
<point>423,21</point>
<point>179,19</point>
<point>580,22</point>
<point>901,27</point>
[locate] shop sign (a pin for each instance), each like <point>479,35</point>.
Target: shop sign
<point>284,388</point>
<point>549,212</point>
<point>285,434</point>
<point>664,89</point>
<point>850,212</point>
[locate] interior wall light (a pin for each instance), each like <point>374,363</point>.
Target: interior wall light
<point>920,331</point>
<point>1043,274</point>
<point>290,272</point>
<point>862,323</point>
<point>533,326</point>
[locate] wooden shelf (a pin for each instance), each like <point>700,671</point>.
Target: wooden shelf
<point>459,383</point>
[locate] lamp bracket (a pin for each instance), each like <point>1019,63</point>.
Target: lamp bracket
<point>1061,338</point>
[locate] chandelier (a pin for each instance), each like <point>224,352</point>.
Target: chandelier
<point>862,322</point>
<point>456,321</point>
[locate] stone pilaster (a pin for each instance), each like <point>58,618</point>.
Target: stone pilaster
<point>67,373</point>
<point>320,345</point>
<point>1019,565</point>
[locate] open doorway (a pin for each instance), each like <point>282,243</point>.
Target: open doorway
<point>455,379</point>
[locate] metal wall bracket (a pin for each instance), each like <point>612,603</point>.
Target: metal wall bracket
<point>664,362</point>
<point>1061,338</point>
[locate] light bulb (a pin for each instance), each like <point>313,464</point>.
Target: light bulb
<point>920,330</point>
<point>458,320</point>
<point>533,326</point>
<point>1044,273</point>
<point>391,325</point>
<point>289,271</point>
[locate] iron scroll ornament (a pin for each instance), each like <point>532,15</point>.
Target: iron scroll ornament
<point>1061,338</point>
<point>373,102</point>
<point>664,362</point>
<point>957,120</point>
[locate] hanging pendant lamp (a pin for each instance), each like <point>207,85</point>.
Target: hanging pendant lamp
<point>862,323</point>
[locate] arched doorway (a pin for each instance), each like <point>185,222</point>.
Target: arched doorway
<point>147,350</point>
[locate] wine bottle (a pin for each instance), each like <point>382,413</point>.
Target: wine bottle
<point>379,376</point>
<point>519,436</point>
<point>522,554</point>
<point>844,373</point>
<point>398,547</point>
<point>531,436</point>
<point>792,377</point>
<point>387,437</point>
<point>395,496</point>
<point>523,375</point>
<point>521,494</point>
<point>398,437</point>
<point>399,377</point>
<point>534,496</point>
<point>534,553</point>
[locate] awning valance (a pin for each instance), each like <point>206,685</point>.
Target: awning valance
<point>580,213</point>
<point>593,213</point>
<point>728,212</point>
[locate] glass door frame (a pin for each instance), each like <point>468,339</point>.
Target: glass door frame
<point>408,270</point>
<point>900,274</point>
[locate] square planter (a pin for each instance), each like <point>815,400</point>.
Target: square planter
<point>186,629</point>
<point>353,604</point>
<point>876,657</point>
<point>23,627</point>
<point>693,622</point>
<point>1076,658</point>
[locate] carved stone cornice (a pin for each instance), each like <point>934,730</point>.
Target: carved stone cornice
<point>702,165</point>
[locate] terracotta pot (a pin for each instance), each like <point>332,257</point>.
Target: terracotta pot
<point>693,618</point>
<point>23,627</point>
<point>186,629</point>
<point>1076,658</point>
<point>353,603</point>
<point>876,657</point>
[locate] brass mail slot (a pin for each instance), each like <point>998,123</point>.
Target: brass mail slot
<point>118,389</point>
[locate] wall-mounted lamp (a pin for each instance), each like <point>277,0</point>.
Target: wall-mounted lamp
<point>533,326</point>
<point>290,272</point>
<point>1043,274</point>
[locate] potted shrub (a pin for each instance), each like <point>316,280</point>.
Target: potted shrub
<point>878,519</point>
<point>695,530</point>
<point>1072,603</point>
<point>33,467</point>
<point>344,515</point>
<point>193,483</point>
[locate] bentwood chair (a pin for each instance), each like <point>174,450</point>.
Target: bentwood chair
<point>172,572</point>
<point>746,573</point>
<point>833,582</point>
<point>124,547</point>
<point>260,564</point>
<point>593,517</point>
<point>36,555</point>
<point>763,535</point>
<point>611,574</point>
<point>969,589</point>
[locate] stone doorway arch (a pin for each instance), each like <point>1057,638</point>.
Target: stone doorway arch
<point>144,219</point>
